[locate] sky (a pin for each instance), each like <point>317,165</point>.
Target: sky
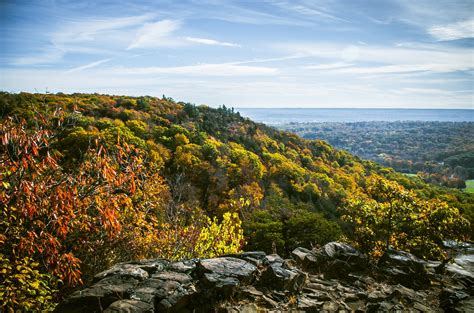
<point>268,53</point>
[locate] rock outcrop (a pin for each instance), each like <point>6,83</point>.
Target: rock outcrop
<point>334,278</point>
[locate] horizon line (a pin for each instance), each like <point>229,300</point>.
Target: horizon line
<point>347,108</point>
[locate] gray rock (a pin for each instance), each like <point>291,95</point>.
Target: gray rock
<point>309,305</point>
<point>129,306</point>
<point>330,306</point>
<point>402,292</point>
<point>100,295</point>
<point>123,270</point>
<point>178,277</point>
<point>186,266</point>
<point>254,282</point>
<point>151,266</point>
<point>171,291</point>
<point>404,268</point>
<point>300,254</point>
<point>335,260</point>
<point>254,257</point>
<point>376,296</point>
<point>421,307</point>
<point>228,267</point>
<point>449,298</point>
<point>279,275</point>
<point>465,306</point>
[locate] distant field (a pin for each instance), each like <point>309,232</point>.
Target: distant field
<point>410,175</point>
<point>469,186</point>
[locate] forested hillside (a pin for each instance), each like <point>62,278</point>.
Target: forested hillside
<point>89,180</point>
<point>442,152</point>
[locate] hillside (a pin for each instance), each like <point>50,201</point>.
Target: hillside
<point>442,152</point>
<point>90,180</point>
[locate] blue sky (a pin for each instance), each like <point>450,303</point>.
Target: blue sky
<point>269,53</point>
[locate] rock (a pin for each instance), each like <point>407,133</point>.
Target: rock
<point>178,277</point>
<point>376,296</point>
<point>402,292</point>
<point>279,275</point>
<point>170,291</point>
<point>421,307</point>
<point>186,266</point>
<point>129,306</point>
<point>251,292</point>
<point>341,281</point>
<point>124,270</point>
<point>151,266</point>
<point>228,269</point>
<point>330,306</point>
<point>335,260</point>
<point>254,257</point>
<point>379,307</point>
<point>309,305</point>
<point>220,279</point>
<point>300,254</point>
<point>405,269</point>
<point>465,306</point>
<point>448,298</point>
<point>98,296</point>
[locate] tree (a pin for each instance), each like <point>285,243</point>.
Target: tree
<point>388,215</point>
<point>56,224</point>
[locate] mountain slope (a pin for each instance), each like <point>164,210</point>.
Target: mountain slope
<point>90,180</point>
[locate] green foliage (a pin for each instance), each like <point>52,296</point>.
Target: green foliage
<point>132,178</point>
<point>264,232</point>
<point>390,216</point>
<point>23,287</point>
<point>284,226</point>
<point>307,229</point>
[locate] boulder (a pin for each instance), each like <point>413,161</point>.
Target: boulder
<point>228,267</point>
<point>279,275</point>
<point>123,270</point>
<point>130,306</point>
<point>254,257</point>
<point>339,281</point>
<point>300,254</point>
<point>99,296</point>
<point>186,266</point>
<point>220,278</point>
<point>151,266</point>
<point>404,268</point>
<point>169,291</point>
<point>449,298</point>
<point>334,260</point>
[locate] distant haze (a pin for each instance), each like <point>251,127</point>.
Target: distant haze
<point>272,53</point>
<point>286,116</point>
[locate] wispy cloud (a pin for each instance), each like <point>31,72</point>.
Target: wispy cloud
<point>163,34</point>
<point>210,42</point>
<point>48,56</point>
<point>387,59</point>
<point>402,68</point>
<point>91,29</point>
<point>156,34</point>
<point>459,30</point>
<point>224,69</point>
<point>307,9</point>
<point>328,66</point>
<point>90,65</point>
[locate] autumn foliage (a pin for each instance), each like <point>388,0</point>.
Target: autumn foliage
<point>389,216</point>
<point>59,225</point>
<point>90,180</point>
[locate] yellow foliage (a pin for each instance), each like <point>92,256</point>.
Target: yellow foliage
<point>23,288</point>
<point>211,239</point>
